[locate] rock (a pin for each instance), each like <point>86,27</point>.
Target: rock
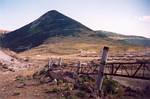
<point>130,92</point>
<point>92,96</point>
<point>46,79</point>
<point>66,94</point>
<point>12,59</point>
<point>3,89</point>
<point>69,80</point>
<point>71,75</point>
<point>15,94</point>
<point>21,85</point>
<point>56,75</point>
<point>11,69</point>
<point>26,59</point>
<point>84,87</point>
<point>36,94</point>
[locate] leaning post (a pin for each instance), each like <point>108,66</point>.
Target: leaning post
<point>101,69</point>
<point>79,66</point>
<point>50,63</point>
<point>60,61</point>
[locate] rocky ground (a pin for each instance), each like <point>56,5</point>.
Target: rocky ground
<point>22,78</point>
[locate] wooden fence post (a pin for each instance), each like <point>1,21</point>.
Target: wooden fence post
<point>79,66</point>
<point>60,61</point>
<point>101,69</point>
<point>50,63</point>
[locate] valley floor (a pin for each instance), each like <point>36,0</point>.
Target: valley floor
<point>19,84</point>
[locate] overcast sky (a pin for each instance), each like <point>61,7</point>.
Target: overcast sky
<point>130,17</point>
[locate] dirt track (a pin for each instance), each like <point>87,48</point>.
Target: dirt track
<point>5,57</point>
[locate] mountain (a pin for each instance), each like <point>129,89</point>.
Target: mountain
<point>49,25</point>
<point>54,32</point>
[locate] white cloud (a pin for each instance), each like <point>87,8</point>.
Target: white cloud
<point>144,18</point>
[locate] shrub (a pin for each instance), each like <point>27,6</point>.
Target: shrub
<point>109,86</point>
<point>81,94</point>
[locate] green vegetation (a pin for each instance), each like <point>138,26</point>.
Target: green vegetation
<point>81,94</point>
<point>110,86</point>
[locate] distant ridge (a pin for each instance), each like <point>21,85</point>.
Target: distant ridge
<point>133,40</point>
<point>3,31</point>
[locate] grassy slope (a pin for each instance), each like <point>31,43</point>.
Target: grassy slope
<point>72,45</point>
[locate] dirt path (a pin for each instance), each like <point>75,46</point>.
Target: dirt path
<point>4,56</point>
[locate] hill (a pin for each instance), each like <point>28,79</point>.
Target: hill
<point>130,39</point>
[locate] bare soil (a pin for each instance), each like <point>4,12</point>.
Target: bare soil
<point>19,84</point>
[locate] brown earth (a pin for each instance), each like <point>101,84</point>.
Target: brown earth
<point>19,84</point>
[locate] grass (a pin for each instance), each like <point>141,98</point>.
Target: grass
<point>67,46</point>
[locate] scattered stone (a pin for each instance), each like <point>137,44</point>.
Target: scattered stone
<point>84,87</point>
<point>46,79</point>
<point>69,80</point>
<point>130,92</point>
<point>26,59</point>
<point>66,94</point>
<point>3,89</point>
<point>56,75</point>
<point>15,94</point>
<point>21,85</point>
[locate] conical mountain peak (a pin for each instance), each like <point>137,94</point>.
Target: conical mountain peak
<point>49,25</point>
<point>52,13</point>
